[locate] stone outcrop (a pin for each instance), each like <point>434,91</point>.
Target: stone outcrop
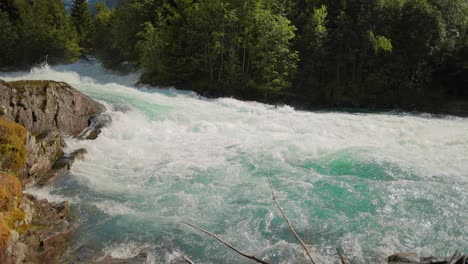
<point>61,166</point>
<point>50,228</point>
<point>40,106</point>
<point>43,151</point>
<point>31,153</point>
<point>31,230</point>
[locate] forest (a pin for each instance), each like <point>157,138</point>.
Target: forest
<point>308,53</point>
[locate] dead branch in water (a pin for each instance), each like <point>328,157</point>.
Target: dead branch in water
<point>189,261</point>
<point>284,215</point>
<point>453,257</point>
<point>252,257</point>
<point>343,261</point>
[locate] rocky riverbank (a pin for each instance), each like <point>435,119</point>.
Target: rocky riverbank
<point>34,118</point>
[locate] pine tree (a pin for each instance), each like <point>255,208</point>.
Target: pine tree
<point>83,22</point>
<point>8,38</point>
<point>44,31</point>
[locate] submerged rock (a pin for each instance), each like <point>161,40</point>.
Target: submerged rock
<point>403,258</point>
<point>96,124</point>
<point>47,105</point>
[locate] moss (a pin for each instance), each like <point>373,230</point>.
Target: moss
<point>11,216</point>
<point>11,220</point>
<point>4,198</point>
<point>39,85</point>
<point>23,83</point>
<point>10,191</point>
<point>13,155</point>
<point>13,152</point>
<point>4,236</point>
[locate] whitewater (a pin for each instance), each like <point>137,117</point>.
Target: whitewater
<point>372,184</point>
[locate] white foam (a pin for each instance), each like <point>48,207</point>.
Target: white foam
<point>47,193</point>
<point>113,208</point>
<point>124,250</point>
<point>187,157</point>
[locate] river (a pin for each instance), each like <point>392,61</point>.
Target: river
<point>371,184</point>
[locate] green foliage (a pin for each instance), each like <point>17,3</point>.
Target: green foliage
<point>239,48</point>
<point>102,41</point>
<point>8,38</point>
<point>379,43</point>
<point>34,31</point>
<point>380,52</point>
<point>376,52</point>
<point>82,21</point>
<point>368,53</point>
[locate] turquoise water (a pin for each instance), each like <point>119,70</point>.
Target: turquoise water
<point>370,184</point>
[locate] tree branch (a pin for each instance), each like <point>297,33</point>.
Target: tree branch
<point>343,261</point>
<point>189,261</point>
<point>284,215</point>
<point>226,243</point>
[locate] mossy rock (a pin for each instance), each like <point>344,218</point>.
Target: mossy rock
<point>5,234</point>
<point>13,154</point>
<point>24,85</point>
<point>11,216</point>
<point>10,192</point>
<point>11,220</point>
<point>13,151</point>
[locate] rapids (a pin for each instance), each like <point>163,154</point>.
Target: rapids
<point>371,184</point>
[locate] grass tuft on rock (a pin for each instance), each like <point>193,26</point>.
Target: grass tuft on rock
<point>13,155</point>
<point>13,151</point>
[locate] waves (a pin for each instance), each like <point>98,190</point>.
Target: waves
<point>373,184</point>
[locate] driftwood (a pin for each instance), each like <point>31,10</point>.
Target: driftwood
<point>457,258</point>
<point>189,261</point>
<point>454,256</point>
<point>342,259</point>
<point>252,257</point>
<point>284,215</point>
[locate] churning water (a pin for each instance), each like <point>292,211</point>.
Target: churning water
<point>370,184</point>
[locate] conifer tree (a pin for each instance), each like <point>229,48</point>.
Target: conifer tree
<point>83,22</point>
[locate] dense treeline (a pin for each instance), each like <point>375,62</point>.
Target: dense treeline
<point>382,52</point>
<point>360,52</point>
<point>313,52</point>
<point>33,31</point>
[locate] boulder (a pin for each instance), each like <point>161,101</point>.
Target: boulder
<point>47,105</point>
<point>43,151</point>
<point>47,238</point>
<point>31,147</point>
<point>61,166</point>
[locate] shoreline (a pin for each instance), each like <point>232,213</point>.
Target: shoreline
<point>456,108</point>
<point>34,118</point>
